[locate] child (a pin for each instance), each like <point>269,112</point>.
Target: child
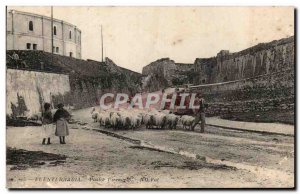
<point>47,120</point>
<point>61,117</point>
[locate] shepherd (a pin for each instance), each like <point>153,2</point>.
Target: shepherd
<point>61,117</point>
<point>199,113</point>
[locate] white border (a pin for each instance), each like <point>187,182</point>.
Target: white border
<point>109,3</point>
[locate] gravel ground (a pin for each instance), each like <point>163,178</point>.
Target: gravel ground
<point>97,160</point>
<point>252,126</point>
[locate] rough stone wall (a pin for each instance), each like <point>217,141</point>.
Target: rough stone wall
<point>88,79</point>
<point>163,67</point>
<point>165,73</point>
<point>264,58</point>
<point>261,59</point>
<point>204,69</point>
<point>262,93</point>
<point>26,90</point>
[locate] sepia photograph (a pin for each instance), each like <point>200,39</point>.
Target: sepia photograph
<point>150,97</point>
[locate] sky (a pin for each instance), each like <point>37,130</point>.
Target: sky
<point>137,36</point>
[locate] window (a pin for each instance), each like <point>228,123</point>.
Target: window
<point>57,49</point>
<point>54,30</point>
<point>71,54</point>
<point>34,46</point>
<point>28,46</point>
<point>30,26</point>
<point>70,34</point>
<point>203,81</point>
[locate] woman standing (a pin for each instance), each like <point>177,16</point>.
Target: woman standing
<point>61,117</point>
<point>47,120</point>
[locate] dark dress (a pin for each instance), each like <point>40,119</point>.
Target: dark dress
<point>60,117</point>
<point>47,117</point>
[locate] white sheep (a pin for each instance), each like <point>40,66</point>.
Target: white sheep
<point>166,111</point>
<point>104,118</point>
<point>171,121</point>
<point>187,121</point>
<point>148,120</point>
<point>95,116</point>
<point>159,120</point>
<point>136,120</point>
<point>114,120</point>
<point>125,121</point>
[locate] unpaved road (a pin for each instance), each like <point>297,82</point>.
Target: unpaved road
<point>97,160</point>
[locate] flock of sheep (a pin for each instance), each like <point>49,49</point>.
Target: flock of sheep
<point>134,118</point>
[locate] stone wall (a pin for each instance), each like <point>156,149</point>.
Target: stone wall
<point>27,90</point>
<point>88,79</point>
<point>264,58</point>
<point>262,93</point>
<point>164,73</point>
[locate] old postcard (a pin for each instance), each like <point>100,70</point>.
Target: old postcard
<point>150,97</point>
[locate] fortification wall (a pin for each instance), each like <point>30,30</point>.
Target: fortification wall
<point>164,73</point>
<point>264,58</point>
<point>258,60</point>
<point>262,93</point>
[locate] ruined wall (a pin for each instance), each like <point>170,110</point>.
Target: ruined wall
<point>264,58</point>
<point>165,73</point>
<point>204,69</point>
<point>26,89</point>
<point>262,93</point>
<point>260,78</point>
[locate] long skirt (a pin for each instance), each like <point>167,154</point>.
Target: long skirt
<point>47,130</point>
<point>62,128</point>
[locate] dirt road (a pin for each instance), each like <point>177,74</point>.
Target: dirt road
<point>224,158</point>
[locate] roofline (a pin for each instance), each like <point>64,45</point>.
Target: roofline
<point>42,16</point>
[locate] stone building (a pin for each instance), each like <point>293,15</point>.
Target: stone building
<point>27,31</point>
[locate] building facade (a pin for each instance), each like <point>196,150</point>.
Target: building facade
<point>27,31</point>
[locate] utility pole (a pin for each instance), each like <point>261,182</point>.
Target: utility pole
<point>102,42</point>
<point>52,35</point>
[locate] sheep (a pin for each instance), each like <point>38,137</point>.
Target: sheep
<point>95,116</point>
<point>171,121</point>
<point>114,120</point>
<point>187,121</point>
<point>125,121</point>
<point>135,119</point>
<point>148,120</point>
<point>159,120</point>
<point>104,119</point>
<point>165,111</point>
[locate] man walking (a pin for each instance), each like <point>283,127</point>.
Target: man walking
<point>199,113</point>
